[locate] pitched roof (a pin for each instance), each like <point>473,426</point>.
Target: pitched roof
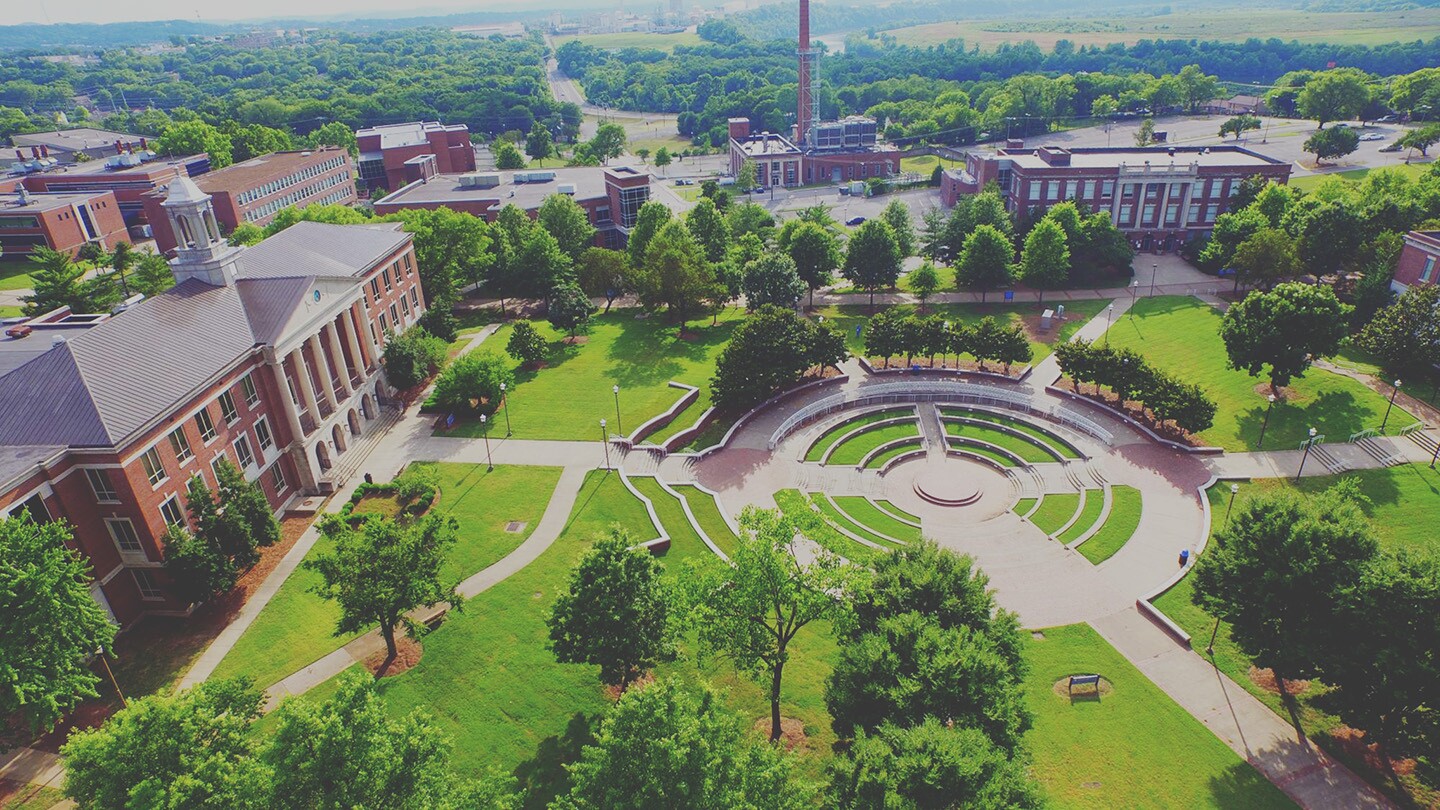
<point>321,249</point>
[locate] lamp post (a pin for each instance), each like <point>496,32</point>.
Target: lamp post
<point>1134,290</point>
<point>1234,490</point>
<point>1109,314</point>
<point>1266,423</point>
<point>1393,393</point>
<point>100,651</point>
<point>504,398</point>
<point>485,429</point>
<point>1154,271</point>
<point>605,442</point>
<point>618,429</point>
<point>1308,444</point>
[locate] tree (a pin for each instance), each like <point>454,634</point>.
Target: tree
<point>1265,258</point>
<point>675,274</point>
<point>450,247</point>
<point>245,501</point>
<point>347,751</point>
<point>772,279</point>
<point>381,570</point>
<point>673,745</point>
<point>55,280</point>
<point>1045,261</point>
<point>1196,87</point>
<point>50,625</point>
<point>254,140</point>
<point>1333,95</point>
<point>604,274</point>
<point>931,237</point>
<point>896,214</point>
<point>152,274</point>
<point>192,749</point>
<point>751,610</point>
<point>815,251</point>
<point>195,137</point>
<point>1406,334</point>
<point>1145,135</point>
<point>227,533</point>
<point>1104,107</point>
<point>197,567</point>
<point>652,216</point>
<point>747,219</point>
<point>507,156</point>
<point>984,261</point>
<point>924,281</point>
<point>1276,571</point>
<point>1332,143</point>
<point>930,765</point>
<point>745,178</point>
<point>770,351</point>
<point>1284,329</point>
<point>643,154</point>
<point>615,612</point>
<point>333,133</point>
<point>710,229</point>
<point>120,261</point>
<point>872,261</point>
<point>334,214</point>
<point>883,335</point>
<point>538,144</point>
<point>570,308</point>
<point>662,159</point>
<point>526,344</point>
<point>609,142</point>
<point>1239,125</point>
<point>471,384</point>
<point>564,219</point>
<point>246,234</point>
<point>412,356</point>
<point>1421,138</point>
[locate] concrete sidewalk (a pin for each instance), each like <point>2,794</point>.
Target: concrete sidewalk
<point>1301,769</point>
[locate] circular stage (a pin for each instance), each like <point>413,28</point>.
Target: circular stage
<point>961,489</point>
<point>947,486</point>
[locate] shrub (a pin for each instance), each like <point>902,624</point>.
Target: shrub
<point>411,358</point>
<point>471,384</point>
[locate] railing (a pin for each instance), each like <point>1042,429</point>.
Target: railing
<point>1411,428</point>
<point>1364,434</point>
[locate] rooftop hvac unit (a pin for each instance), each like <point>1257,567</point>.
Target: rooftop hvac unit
<point>486,179</point>
<point>566,188</point>
<point>467,181</point>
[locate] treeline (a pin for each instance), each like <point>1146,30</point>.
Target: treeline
<point>895,332</point>
<point>492,85</point>
<point>1126,373</point>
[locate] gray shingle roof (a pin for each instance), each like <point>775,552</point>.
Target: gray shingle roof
<point>320,249</point>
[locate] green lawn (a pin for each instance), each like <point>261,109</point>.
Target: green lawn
<point>1024,505</point>
<point>15,273</point>
<point>862,510</point>
<point>685,543</point>
<point>296,627</point>
<point>853,450</point>
<point>1405,500</point>
<point>994,455</point>
<point>892,509</point>
<point>1310,182</point>
<point>1025,448</point>
<point>820,445</point>
<point>1133,747</point>
<point>28,797</point>
<point>796,507</point>
<point>680,421</point>
<point>1180,335</point>
<point>1058,446</point>
<point>707,513</point>
<point>1055,511</point>
<point>1119,526</point>
<point>569,396</point>
<point>1077,313</point>
<point>844,521</point>
<point>1089,513</point>
<point>880,459</point>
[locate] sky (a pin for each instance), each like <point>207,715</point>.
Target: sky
<point>108,11</point>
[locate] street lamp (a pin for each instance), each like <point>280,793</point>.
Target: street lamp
<point>1134,291</point>
<point>1234,490</point>
<point>505,400</point>
<point>1393,393</point>
<point>1154,271</point>
<point>1266,423</point>
<point>100,651</point>
<point>618,428</point>
<point>1109,313</point>
<point>1308,444</point>
<point>485,428</point>
<point>605,442</point>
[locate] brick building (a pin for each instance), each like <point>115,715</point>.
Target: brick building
<point>65,144</point>
<point>267,356</point>
<point>63,222</point>
<point>611,196</point>
<point>255,190</point>
<point>1419,261</point>
<point>129,177</point>
<point>1159,196</point>
<point>396,154</point>
<point>837,152</point>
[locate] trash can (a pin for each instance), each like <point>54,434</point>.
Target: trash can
<point>369,479</point>
<point>1184,556</point>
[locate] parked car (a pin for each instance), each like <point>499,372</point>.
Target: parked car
<point>1385,119</point>
<point>853,221</point>
<point>1391,147</point>
<point>1372,136</point>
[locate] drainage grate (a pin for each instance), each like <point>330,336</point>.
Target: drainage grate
<point>514,527</point>
<point>1037,635</point>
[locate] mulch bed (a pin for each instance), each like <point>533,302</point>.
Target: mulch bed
<point>792,732</point>
<point>948,364</point>
<point>1265,679</point>
<point>1352,741</point>
<point>1134,410</point>
<point>408,652</point>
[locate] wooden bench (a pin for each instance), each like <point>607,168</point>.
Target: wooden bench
<point>1084,680</point>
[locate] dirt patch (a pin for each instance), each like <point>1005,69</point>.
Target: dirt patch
<point>1062,688</point>
<point>948,364</point>
<point>1134,410</point>
<point>1282,395</point>
<point>576,340</point>
<point>612,691</point>
<point>1265,679</point>
<point>792,731</point>
<point>1352,741</point>
<point>407,655</point>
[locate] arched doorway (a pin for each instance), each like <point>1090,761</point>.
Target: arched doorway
<point>367,406</point>
<point>354,419</point>
<point>338,436</point>
<point>322,455</point>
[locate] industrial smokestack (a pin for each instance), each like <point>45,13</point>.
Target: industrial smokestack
<point>804,98</point>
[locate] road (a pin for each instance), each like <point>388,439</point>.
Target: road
<point>567,89</point>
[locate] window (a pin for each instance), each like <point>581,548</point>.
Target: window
<point>1107,188</point>
<point>243,451</point>
<point>154,470</point>
<point>1052,190</point>
<point>394,316</point>
<point>172,513</point>
<point>122,531</point>
<point>207,427</point>
<point>100,484</point>
<point>1172,213</point>
<point>228,412</point>
<point>277,476</point>
<point>1070,187</point>
<point>181,445</point>
<point>1176,189</point>
<point>1211,211</point>
<point>1194,214</point>
<point>1429,269</point>
<point>262,434</point>
<point>1034,190</point>
<point>405,305</point>
<point>145,582</point>
<point>384,324</point>
<point>386,276</point>
<point>215,465</point>
<point>1089,190</point>
<point>415,297</point>
<point>247,388</point>
<point>409,270</point>
<point>1148,215</point>
<point>1127,213</point>
<point>375,289</point>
